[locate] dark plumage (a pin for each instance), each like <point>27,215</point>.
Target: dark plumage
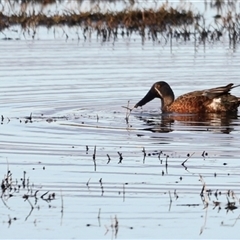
<point>214,100</point>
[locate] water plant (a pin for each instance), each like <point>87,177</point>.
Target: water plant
<point>160,24</point>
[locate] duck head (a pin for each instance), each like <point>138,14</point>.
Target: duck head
<point>158,90</point>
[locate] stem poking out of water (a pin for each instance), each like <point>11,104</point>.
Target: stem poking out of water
<point>109,159</point>
<point>183,163</point>
<point>120,157</point>
<point>159,156</point>
<point>87,149</point>
<point>128,112</point>
<point>144,154</point>
<point>101,184</point>
<point>116,226</point>
<point>94,159</point>
<point>166,164</point>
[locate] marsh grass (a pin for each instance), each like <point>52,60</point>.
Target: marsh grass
<point>161,23</point>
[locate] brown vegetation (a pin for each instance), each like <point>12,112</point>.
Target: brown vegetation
<point>166,21</point>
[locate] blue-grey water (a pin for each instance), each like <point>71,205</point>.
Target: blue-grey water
<point>75,91</point>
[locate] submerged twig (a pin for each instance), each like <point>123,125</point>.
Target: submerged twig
<point>205,200</point>
<point>236,221</point>
<point>99,212</point>
<point>88,183</point>
<point>5,204</point>
<point>128,112</point>
<point>26,199</point>
<point>170,204</point>
<point>124,192</point>
<point>128,108</point>
<point>61,207</point>
<point>204,224</point>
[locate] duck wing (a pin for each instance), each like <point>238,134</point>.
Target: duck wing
<point>217,92</point>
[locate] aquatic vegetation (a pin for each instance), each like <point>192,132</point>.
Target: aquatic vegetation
<point>105,24</point>
<point>23,188</point>
<point>161,23</point>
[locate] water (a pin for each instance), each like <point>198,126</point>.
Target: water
<point>75,91</point>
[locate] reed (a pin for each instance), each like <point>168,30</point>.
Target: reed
<point>107,25</point>
<point>161,24</point>
<point>24,190</point>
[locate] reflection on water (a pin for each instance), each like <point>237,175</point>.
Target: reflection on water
<point>221,123</point>
<point>75,91</point>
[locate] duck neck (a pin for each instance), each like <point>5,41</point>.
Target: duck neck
<point>166,102</point>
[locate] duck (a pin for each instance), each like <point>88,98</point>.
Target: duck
<point>213,100</point>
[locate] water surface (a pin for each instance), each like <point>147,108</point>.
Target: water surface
<point>75,91</point>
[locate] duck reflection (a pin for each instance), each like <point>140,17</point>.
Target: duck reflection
<point>221,123</point>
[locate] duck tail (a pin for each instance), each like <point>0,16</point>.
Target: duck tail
<point>235,86</point>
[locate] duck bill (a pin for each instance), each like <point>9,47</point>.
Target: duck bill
<point>148,97</point>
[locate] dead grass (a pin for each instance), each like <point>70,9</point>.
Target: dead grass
<point>167,22</point>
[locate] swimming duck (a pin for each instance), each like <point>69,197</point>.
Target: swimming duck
<point>214,100</point>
